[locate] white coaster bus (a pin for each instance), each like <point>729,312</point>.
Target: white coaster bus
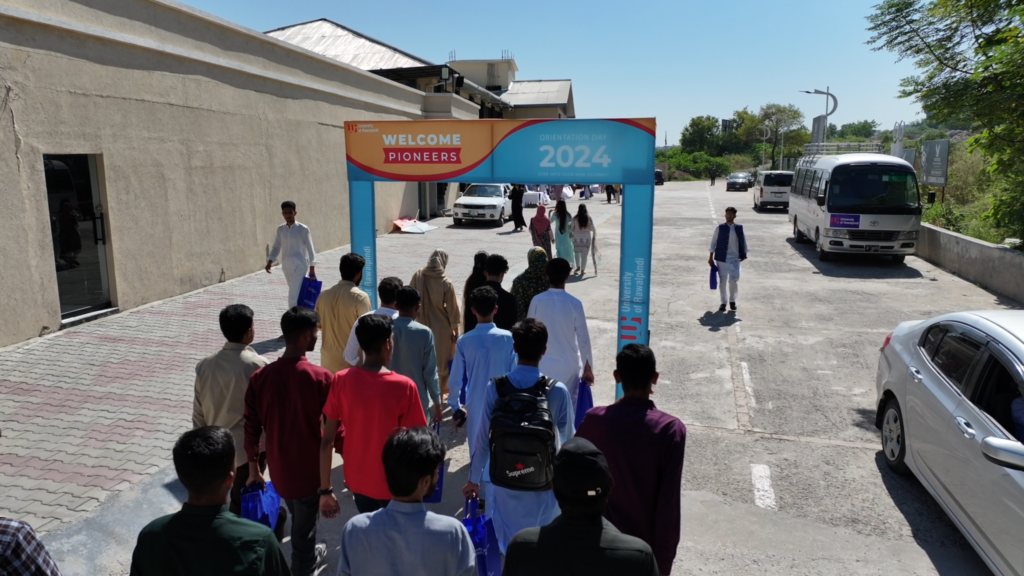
<point>856,203</point>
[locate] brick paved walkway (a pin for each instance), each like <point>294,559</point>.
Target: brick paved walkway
<point>96,409</point>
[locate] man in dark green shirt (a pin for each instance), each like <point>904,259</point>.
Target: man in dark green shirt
<point>204,538</point>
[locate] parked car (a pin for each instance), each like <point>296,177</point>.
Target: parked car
<point>659,177</point>
<point>737,182</point>
<point>750,178</point>
<point>948,392</point>
<point>488,202</point>
<point>772,189</point>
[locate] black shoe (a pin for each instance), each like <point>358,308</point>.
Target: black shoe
<point>721,308</point>
<point>732,306</point>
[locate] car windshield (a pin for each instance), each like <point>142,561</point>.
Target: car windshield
<point>483,191</point>
<point>736,177</point>
<point>778,179</point>
<point>873,189</point>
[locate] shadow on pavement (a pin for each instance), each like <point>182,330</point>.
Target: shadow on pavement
<point>930,527</point>
<point>715,321</point>
<point>860,266</point>
<point>268,346</point>
<point>865,419</point>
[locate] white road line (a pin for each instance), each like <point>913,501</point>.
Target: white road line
<point>748,385</point>
<point>764,496</point>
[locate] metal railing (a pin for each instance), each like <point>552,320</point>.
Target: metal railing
<point>832,148</point>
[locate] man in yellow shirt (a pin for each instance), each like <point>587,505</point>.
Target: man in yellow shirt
<point>339,307</point>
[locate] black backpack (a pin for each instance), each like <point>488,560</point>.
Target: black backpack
<point>522,437</point>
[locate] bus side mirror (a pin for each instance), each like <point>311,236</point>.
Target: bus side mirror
<point>821,199</point>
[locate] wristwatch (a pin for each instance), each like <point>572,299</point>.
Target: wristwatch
<point>325,491</point>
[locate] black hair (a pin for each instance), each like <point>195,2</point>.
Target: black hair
<point>558,270</point>
<point>296,321</point>
<point>730,209</point>
<point>407,298</point>
<point>410,454</point>
<point>476,277</point>
<point>636,366</point>
<point>372,331</point>
<point>530,338</point>
<point>582,216</point>
<point>388,289</point>
<point>235,321</point>
<point>483,300</point>
<point>351,265</point>
<point>287,204</point>
<point>203,458</point>
<point>562,214</point>
<point>496,265</point>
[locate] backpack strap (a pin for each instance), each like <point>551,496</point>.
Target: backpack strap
<point>503,386</point>
<point>542,387</point>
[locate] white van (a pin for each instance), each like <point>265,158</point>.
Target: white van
<point>856,203</point>
<point>772,189</point>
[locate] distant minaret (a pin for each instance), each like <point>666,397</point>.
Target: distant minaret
<point>666,137</point>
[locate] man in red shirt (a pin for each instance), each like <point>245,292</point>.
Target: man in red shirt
<point>286,398</point>
<point>371,401</point>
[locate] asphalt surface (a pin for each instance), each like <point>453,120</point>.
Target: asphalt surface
<point>783,472</point>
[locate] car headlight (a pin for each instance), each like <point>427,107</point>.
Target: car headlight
<point>460,206</point>
<point>911,235</point>
<point>836,233</point>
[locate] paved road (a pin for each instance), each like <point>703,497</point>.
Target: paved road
<point>782,476</point>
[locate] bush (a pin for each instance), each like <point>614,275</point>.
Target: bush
<point>739,162</point>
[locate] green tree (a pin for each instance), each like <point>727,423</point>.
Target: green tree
<point>970,54</point>
<point>862,129</point>
<point>701,135</point>
<point>781,119</point>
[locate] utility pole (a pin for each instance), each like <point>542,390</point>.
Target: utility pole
<point>764,140</point>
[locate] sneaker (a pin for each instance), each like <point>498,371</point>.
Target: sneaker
<point>721,308</point>
<point>321,556</point>
<point>732,306</point>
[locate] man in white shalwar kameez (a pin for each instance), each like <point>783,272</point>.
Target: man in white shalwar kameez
<point>727,249</point>
<point>293,246</point>
<point>569,354</point>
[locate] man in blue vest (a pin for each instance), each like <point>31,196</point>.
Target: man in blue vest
<point>728,248</point>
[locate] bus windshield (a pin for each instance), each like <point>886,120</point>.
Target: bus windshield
<point>873,190</point>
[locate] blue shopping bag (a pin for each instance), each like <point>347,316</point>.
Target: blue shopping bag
<point>261,506</point>
<point>436,496</point>
<point>714,277</point>
<point>309,292</point>
<point>584,402</point>
<point>481,532</point>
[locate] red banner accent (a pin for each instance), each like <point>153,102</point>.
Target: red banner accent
<point>422,155</point>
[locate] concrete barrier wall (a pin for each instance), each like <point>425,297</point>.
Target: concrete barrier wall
<point>995,268</point>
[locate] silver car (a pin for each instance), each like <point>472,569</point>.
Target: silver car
<point>949,389</point>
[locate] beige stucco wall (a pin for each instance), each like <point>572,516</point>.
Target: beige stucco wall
<point>203,128</point>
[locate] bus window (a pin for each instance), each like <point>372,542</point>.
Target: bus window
<point>798,181</point>
<point>815,184</point>
<point>873,189</point>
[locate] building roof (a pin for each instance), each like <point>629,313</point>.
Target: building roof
<point>537,93</point>
<point>343,44</point>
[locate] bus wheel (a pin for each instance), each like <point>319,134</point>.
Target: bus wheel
<point>798,236</point>
<point>822,254</point>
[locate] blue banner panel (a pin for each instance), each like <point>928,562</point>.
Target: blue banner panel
<point>362,223</point>
<point>635,267</point>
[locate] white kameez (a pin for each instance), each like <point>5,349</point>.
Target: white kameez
<point>728,271</point>
<point>293,247</point>
<point>568,337</point>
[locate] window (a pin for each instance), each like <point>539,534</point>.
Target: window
<point>778,179</point>
<point>995,394</point>
<point>806,188</point>
<point>931,340</point>
<point>955,356</point>
<point>800,175</point>
<point>873,190</point>
<point>816,184</point>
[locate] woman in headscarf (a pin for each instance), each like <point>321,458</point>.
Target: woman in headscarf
<point>531,282</point>
<point>439,310</point>
<point>476,279</point>
<point>563,232</point>
<point>540,229</point>
<point>584,234</point>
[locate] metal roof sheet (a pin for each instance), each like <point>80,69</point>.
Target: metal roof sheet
<point>539,93</point>
<point>343,44</point>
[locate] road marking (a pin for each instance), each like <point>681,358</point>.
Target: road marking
<point>747,384</point>
<point>764,496</point>
<point>739,392</point>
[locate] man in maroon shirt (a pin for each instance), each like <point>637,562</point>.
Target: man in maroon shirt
<point>644,448</point>
<point>286,398</point>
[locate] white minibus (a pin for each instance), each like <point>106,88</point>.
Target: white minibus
<point>856,203</point>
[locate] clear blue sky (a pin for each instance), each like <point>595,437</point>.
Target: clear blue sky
<point>672,59</point>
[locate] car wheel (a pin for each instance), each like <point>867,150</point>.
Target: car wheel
<point>894,443</point>
<point>822,254</point>
<point>798,235</point>
<point>458,221</point>
<point>756,207</point>
<point>899,258</point>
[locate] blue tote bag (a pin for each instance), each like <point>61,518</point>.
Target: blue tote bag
<point>309,292</point>
<point>481,532</point>
<point>261,506</point>
<point>584,402</point>
<point>714,277</point>
<point>436,496</point>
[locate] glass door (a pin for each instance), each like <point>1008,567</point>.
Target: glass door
<point>78,227</point>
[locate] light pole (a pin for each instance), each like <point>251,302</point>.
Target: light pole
<point>835,104</point>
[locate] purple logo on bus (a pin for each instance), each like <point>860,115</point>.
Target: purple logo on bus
<point>845,221</point>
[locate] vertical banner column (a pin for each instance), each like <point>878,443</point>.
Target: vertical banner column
<point>362,217</point>
<point>635,267</point>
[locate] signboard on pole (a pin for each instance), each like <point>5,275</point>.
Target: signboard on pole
<point>934,162</point>
<point>909,155</point>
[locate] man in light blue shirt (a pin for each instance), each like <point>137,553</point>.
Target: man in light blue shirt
<point>414,356</point>
<point>514,510</point>
<point>404,538</point>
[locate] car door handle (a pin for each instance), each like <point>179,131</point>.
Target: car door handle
<point>965,427</point>
<point>916,374</point>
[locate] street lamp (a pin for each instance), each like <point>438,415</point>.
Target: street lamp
<point>835,104</point>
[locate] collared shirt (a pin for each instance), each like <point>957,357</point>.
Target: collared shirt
<point>352,349</point>
<point>286,398</point>
<point>644,448</point>
<point>568,336</point>
<point>508,310</point>
<point>733,252</point>
<point>339,307</point>
<point>514,510</point>
<point>207,540</point>
<point>415,358</point>
<point>405,539</point>
<point>221,381</point>
<point>483,353</point>
<point>21,553</point>
<point>567,547</point>
<point>371,405</point>
<point>293,245</point>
